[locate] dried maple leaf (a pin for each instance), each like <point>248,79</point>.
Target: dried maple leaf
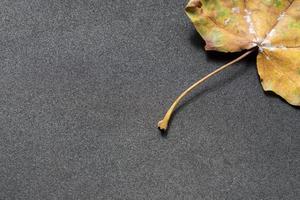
<point>272,26</point>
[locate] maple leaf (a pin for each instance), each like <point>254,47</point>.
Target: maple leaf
<point>272,26</point>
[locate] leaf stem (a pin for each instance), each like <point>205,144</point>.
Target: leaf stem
<point>163,124</point>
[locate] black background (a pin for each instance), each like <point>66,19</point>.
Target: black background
<point>83,84</point>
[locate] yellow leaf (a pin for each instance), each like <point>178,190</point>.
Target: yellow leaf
<point>273,26</point>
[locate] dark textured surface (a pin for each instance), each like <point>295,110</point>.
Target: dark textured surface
<point>83,84</point>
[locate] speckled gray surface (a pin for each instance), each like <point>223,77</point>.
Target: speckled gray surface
<point>83,84</point>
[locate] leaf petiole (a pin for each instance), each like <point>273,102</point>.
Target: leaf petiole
<point>163,124</point>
